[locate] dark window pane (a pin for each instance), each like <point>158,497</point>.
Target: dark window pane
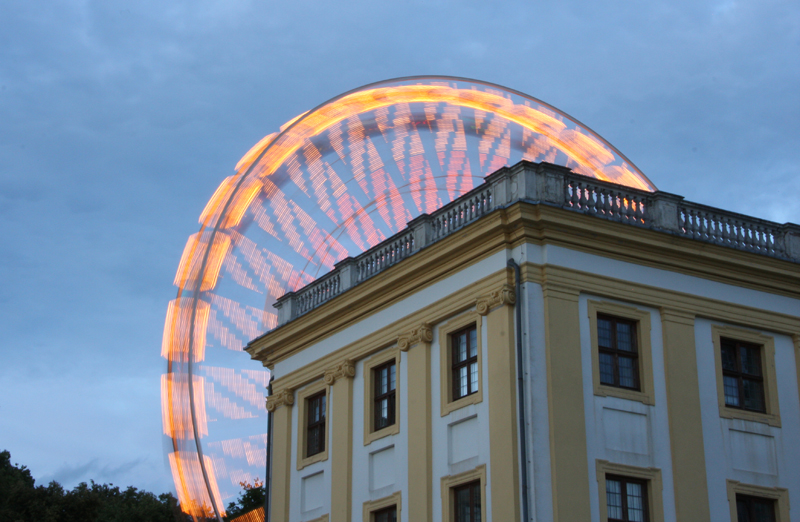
<point>386,515</point>
<point>461,342</point>
<point>635,502</point>
<point>604,333</point>
<point>751,361</point>
<point>742,510</point>
<point>473,376</point>
<point>463,384</point>
<point>764,511</point>
<point>606,368</point>
<point>614,499</point>
<point>473,342</point>
<point>731,385</point>
<point>463,505</point>
<point>728,358</point>
<point>753,395</point>
<point>383,380</point>
<point>625,337</point>
<point>627,376</point>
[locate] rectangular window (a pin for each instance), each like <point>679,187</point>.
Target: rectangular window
<point>464,348</point>
<point>751,503</point>
<point>388,514</point>
<point>754,509</point>
<point>385,382</point>
<point>626,499</point>
<point>315,424</point>
<point>460,366</point>
<point>386,509</point>
<point>742,375</point>
<point>619,353</point>
<point>467,502</point>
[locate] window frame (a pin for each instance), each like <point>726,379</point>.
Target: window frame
<point>650,476</point>
<point>451,482</point>
<point>389,396</point>
<point>456,366</point>
<point>303,396</point>
<point>740,375</point>
<point>617,352</point>
<point>447,403</point>
<point>318,400</point>
<point>380,359</point>
<point>624,480</point>
<point>370,507</point>
<point>642,319</point>
<point>751,501</point>
<point>472,488</point>
<point>771,415</point>
<point>779,495</point>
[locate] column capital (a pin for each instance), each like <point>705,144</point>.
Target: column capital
<point>502,296</point>
<point>345,369</point>
<point>420,334</point>
<point>284,397</point>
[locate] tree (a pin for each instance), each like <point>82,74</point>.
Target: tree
<point>251,497</point>
<point>22,501</point>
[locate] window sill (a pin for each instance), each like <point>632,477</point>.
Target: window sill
<point>753,416</point>
<point>603,390</point>
<point>473,398</point>
<point>313,459</point>
<point>394,429</point>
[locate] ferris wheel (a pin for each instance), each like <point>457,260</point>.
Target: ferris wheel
<point>332,183</point>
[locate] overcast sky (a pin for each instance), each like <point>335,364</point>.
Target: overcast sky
<point>118,120</point>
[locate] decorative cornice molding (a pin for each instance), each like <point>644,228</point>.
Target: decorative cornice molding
<point>421,334</point>
<point>284,397</point>
<point>503,296</point>
<point>345,369</point>
<point>674,315</point>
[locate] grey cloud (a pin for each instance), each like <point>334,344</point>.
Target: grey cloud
<point>92,470</point>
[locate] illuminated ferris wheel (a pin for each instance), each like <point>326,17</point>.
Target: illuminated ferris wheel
<point>332,183</point>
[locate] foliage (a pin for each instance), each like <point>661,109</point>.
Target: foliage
<point>22,501</point>
<point>252,497</point>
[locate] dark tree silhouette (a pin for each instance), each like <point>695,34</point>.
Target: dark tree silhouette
<point>21,500</point>
<point>252,497</point>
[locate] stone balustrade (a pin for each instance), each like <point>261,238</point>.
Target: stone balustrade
<point>553,185</point>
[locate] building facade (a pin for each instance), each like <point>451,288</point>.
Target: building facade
<point>546,347</point>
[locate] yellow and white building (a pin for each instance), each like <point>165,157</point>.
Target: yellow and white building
<point>626,355</point>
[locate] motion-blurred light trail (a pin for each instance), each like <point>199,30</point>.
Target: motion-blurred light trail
<point>332,183</point>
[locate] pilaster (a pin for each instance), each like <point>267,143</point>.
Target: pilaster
<point>280,405</point>
<point>685,423</point>
<point>501,371</point>
<point>340,379</point>
<point>417,345</point>
<point>569,465</point>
